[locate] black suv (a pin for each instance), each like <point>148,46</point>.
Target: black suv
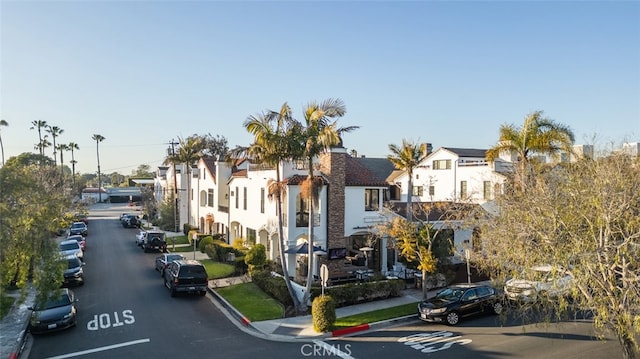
<point>187,276</point>
<point>154,240</point>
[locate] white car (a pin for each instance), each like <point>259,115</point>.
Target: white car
<point>71,247</point>
<point>538,281</point>
<point>141,238</point>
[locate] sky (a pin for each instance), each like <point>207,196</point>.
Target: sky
<point>450,73</point>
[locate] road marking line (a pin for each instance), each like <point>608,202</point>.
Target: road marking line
<point>100,349</point>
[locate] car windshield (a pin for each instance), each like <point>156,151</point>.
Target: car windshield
<point>69,246</point>
<point>77,225</point>
<point>450,293</point>
<point>73,262</point>
<point>61,301</point>
<point>173,257</point>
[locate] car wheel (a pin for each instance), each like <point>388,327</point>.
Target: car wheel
<point>453,318</point>
<point>162,272</point>
<point>173,292</point>
<point>497,308</point>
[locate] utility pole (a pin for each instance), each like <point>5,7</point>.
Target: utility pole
<point>175,186</point>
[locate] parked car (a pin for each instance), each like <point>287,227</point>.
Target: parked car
<point>186,276</point>
<point>131,221</point>
<point>162,262</point>
<point>140,238</point>
<point>155,240</point>
<point>78,228</point>
<point>81,217</point>
<point>71,247</point>
<point>459,301</point>
<point>56,314</point>
<point>537,282</point>
<point>81,240</point>
<point>73,275</point>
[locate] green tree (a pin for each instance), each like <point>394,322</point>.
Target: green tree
<point>407,158</point>
<point>62,147</point>
<point>98,138</point>
<point>189,152</point>
<point>215,146</point>
<point>256,258</point>
<point>3,123</point>
<point>143,170</point>
<point>54,131</point>
<point>319,134</point>
<point>583,217</point>
<point>274,141</point>
<point>538,135</point>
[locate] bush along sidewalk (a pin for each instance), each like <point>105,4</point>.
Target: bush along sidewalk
<point>323,313</point>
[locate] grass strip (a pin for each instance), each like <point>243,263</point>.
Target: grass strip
<point>252,302</point>
<point>217,270</point>
<point>376,315</point>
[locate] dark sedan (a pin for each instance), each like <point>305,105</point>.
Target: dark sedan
<point>78,228</point>
<point>163,261</point>
<point>56,314</point>
<point>458,301</point>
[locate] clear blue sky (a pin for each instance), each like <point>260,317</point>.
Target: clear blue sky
<point>450,73</point>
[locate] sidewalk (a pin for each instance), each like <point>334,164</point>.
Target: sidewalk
<point>14,325</point>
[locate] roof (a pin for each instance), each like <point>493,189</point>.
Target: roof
<point>380,168</point>
<point>210,164</point>
<point>143,181</point>
<point>467,152</point>
<point>361,172</point>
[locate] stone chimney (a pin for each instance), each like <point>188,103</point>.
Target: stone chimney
<point>333,166</point>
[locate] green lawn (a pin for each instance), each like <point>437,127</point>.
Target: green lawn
<point>180,249</point>
<point>377,315</point>
<point>217,270</point>
<point>252,302</point>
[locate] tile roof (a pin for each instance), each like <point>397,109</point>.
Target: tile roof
<point>360,172</point>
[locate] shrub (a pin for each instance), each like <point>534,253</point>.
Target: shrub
<point>323,313</point>
<point>186,228</point>
<point>204,242</point>
<point>274,286</point>
<point>256,258</point>
<point>349,294</point>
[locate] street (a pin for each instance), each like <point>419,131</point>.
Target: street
<point>125,311</point>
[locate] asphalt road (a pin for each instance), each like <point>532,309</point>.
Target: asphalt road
<point>125,311</point>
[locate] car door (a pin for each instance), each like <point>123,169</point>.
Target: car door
<point>469,303</point>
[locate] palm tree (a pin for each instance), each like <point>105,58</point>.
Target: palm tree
<point>98,138</point>
<point>73,146</point>
<point>274,141</point>
<point>407,158</point>
<point>538,135</point>
<point>39,125</point>
<point>62,147</point>
<point>2,123</point>
<point>189,152</point>
<point>55,131</point>
<point>318,135</point>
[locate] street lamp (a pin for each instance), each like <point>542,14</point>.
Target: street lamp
<point>467,256</point>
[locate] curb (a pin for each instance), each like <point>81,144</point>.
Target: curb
<point>231,309</point>
<point>371,326</point>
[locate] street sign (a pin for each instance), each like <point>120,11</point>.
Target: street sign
<point>324,276</point>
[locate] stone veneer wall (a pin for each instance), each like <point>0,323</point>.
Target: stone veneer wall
<point>333,165</point>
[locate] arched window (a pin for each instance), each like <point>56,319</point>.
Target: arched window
<point>203,198</point>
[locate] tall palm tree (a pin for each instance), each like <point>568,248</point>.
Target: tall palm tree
<point>274,141</point>
<point>98,138</point>
<point>73,146</point>
<point>538,135</point>
<point>319,134</point>
<point>407,157</point>
<point>2,123</point>
<point>62,147</point>
<point>39,125</point>
<point>55,131</point>
<point>189,152</point>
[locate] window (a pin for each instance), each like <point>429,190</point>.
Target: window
<point>442,164</point>
<point>302,216</point>
<point>261,200</point>
<point>486,190</point>
<point>251,236</point>
<point>417,191</point>
<point>244,198</point>
<point>237,200</point>
<point>210,197</point>
<point>203,198</point>
<point>432,190</point>
<point>371,199</point>
<point>463,189</point>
